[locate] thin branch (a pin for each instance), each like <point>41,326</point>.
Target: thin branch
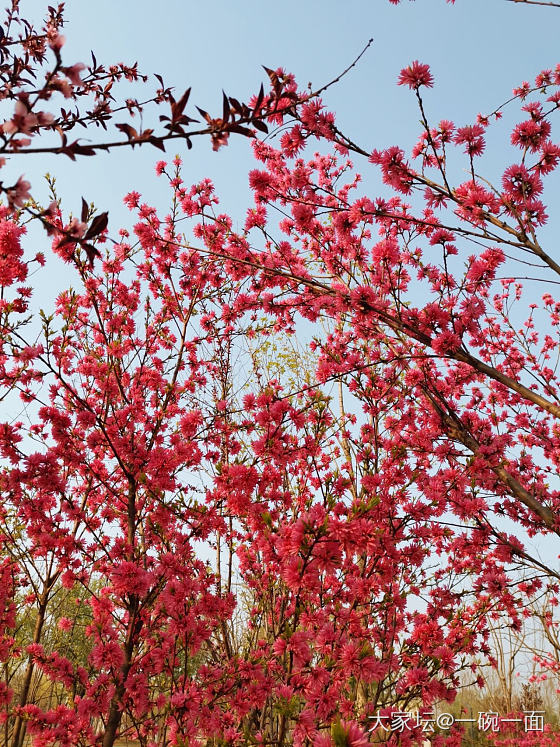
<point>319,91</point>
<point>536,2</point>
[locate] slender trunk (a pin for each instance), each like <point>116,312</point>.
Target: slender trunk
<point>19,724</point>
<point>115,709</point>
<point>134,625</point>
<point>7,720</point>
<point>283,718</point>
<point>115,712</point>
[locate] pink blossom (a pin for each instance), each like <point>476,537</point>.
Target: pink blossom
<point>56,41</point>
<point>107,655</point>
<point>446,342</point>
<point>415,75</point>
<point>132,200</point>
<point>73,73</point>
<point>472,138</point>
<point>19,193</point>
<point>11,267</point>
<point>129,578</point>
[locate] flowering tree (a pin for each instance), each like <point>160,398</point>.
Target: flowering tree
<point>51,100</point>
<point>360,540</point>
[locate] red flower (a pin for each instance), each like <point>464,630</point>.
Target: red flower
<point>472,137</point>
<point>11,267</point>
<point>415,75</point>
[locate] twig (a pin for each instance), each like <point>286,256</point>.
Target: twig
<point>535,2</point>
<point>344,72</point>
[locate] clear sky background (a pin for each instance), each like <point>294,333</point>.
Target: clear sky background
<point>478,51</point>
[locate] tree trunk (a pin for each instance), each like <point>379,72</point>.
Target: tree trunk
<point>19,725</point>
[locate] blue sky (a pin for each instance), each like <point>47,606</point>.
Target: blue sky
<point>477,49</point>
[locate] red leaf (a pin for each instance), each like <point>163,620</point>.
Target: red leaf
<point>259,125</point>
<point>178,106</point>
<point>98,225</point>
<point>129,130</point>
